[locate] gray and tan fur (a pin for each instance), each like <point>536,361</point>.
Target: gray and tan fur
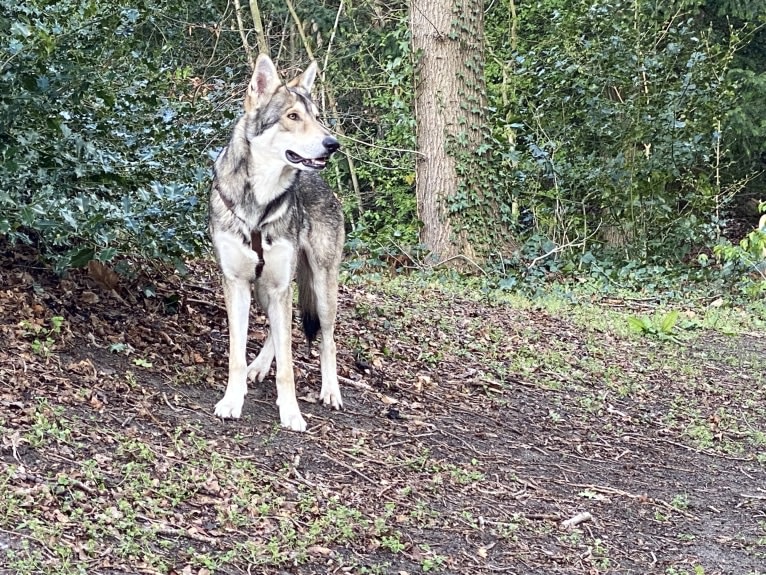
<point>273,218</point>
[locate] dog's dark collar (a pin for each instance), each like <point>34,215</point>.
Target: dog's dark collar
<point>256,243</point>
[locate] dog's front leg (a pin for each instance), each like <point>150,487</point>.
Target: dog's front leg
<point>237,295</point>
<point>280,319</point>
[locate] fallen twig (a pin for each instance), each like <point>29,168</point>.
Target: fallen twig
<point>168,530</point>
<point>167,402</point>
<point>576,520</point>
<point>351,468</point>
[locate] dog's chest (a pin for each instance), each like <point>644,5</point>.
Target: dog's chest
<point>271,228</point>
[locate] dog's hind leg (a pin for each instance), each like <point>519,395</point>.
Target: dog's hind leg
<point>327,305</point>
<point>318,297</point>
<point>237,295</point>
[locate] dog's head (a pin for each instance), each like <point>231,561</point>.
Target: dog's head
<point>282,118</point>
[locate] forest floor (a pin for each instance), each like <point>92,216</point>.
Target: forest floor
<point>475,433</point>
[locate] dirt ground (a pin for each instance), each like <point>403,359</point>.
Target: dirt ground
<point>477,437</point>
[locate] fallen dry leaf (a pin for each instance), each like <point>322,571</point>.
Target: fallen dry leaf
<point>89,297</point>
<point>104,276</point>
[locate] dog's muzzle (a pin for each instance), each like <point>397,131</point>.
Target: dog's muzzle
<point>331,145</point>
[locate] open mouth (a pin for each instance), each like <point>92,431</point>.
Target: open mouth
<point>313,163</point>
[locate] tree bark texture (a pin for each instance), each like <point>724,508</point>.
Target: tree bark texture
<point>447,39</point>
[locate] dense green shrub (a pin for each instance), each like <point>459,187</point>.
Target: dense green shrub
<point>110,114</point>
<point>611,124</point>
<point>373,78</point>
<point>101,136</point>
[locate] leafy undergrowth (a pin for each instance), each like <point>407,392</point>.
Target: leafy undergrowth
<point>473,430</point>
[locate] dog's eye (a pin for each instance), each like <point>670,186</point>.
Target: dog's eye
<point>293,116</point>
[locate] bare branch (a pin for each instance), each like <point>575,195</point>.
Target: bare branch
<point>299,25</point>
<point>255,11</point>
<point>241,28</point>
<point>332,37</point>
<point>562,247</point>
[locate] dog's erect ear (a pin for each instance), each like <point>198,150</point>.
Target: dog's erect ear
<point>306,80</point>
<point>263,84</point>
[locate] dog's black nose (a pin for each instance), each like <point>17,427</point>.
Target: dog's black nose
<point>331,144</point>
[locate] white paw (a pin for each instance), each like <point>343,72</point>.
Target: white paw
<point>330,395</point>
<point>291,418</point>
<point>229,407</point>
<point>259,369</point>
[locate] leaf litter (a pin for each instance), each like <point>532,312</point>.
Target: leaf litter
<point>478,437</point>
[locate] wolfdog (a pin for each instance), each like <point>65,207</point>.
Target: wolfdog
<point>272,218</point>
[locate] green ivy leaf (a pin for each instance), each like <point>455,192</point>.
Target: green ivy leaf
<point>79,258</point>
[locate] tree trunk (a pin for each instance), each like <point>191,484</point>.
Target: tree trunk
<point>447,39</point>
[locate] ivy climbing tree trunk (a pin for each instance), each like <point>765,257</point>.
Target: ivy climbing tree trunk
<point>447,38</point>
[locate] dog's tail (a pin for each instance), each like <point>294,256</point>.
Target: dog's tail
<point>307,301</point>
